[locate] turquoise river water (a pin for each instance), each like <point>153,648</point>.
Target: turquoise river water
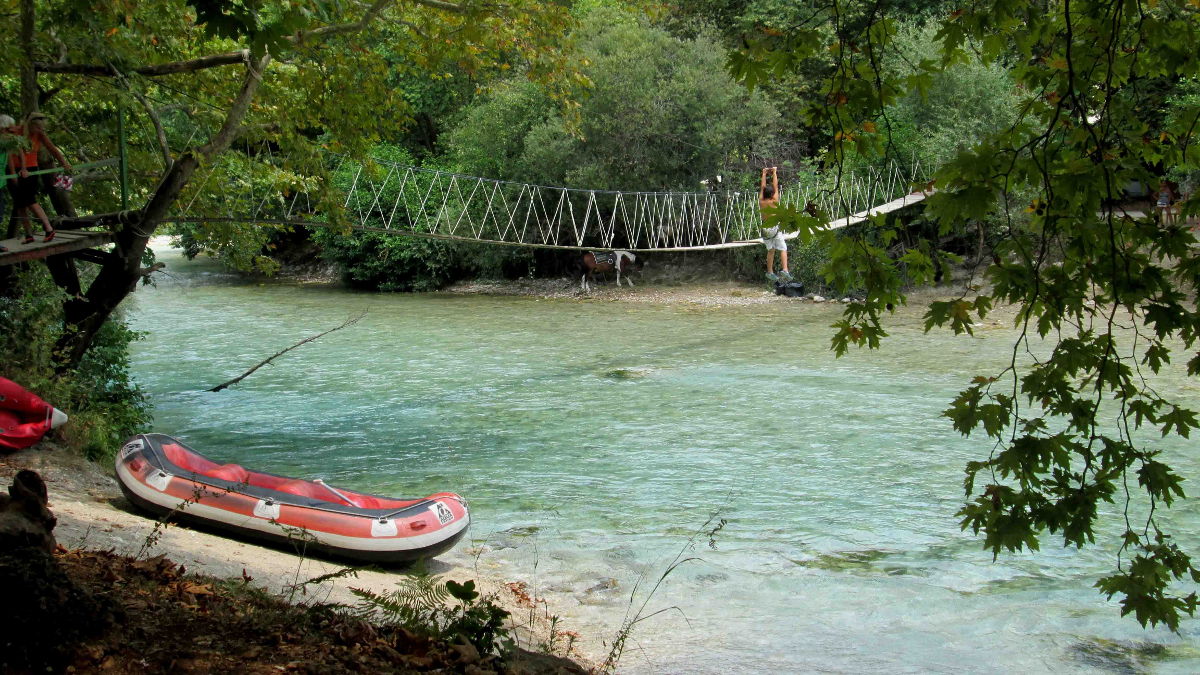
<point>592,439</point>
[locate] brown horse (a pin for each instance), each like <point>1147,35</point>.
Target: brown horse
<point>608,261</point>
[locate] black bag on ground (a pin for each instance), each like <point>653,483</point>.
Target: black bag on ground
<point>791,289</point>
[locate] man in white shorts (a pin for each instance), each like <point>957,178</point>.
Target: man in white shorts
<point>768,197</point>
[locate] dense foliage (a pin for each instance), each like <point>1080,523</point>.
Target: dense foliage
<point>659,113</point>
<point>224,92</point>
<point>649,111</point>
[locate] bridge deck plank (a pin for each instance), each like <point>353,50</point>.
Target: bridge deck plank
<point>66,241</point>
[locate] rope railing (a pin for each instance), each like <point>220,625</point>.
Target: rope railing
<point>58,169</point>
<point>391,197</point>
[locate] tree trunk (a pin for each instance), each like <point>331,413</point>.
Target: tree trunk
<point>62,267</point>
<point>29,86</point>
<point>122,269</point>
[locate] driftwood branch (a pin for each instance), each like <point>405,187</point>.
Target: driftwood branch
<point>348,322</point>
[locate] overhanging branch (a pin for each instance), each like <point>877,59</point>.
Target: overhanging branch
<point>105,70</point>
<point>159,132</point>
<point>237,110</point>
<point>231,58</point>
<point>444,6</point>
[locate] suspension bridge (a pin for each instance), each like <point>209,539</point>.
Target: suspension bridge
<point>413,201</point>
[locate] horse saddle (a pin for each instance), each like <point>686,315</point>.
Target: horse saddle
<point>605,257</point>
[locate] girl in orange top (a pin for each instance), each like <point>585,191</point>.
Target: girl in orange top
<point>24,188</point>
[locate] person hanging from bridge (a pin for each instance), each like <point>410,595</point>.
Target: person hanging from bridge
<point>24,187</point>
<point>768,198</point>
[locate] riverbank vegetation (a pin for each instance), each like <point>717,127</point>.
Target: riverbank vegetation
<point>151,615</point>
<point>106,405</point>
<point>1035,124</point>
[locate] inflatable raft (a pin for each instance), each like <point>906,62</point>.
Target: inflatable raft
<point>24,418</point>
<point>159,473</point>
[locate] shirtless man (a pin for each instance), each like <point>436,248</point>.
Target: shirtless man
<point>768,198</point>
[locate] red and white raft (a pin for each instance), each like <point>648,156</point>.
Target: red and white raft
<point>160,474</point>
<point>24,418</point>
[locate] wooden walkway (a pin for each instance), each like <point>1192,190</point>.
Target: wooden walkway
<point>894,205</point>
<point>66,241</point>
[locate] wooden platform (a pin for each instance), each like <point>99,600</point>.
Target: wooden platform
<point>66,241</point>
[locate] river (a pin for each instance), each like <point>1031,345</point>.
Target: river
<point>593,440</point>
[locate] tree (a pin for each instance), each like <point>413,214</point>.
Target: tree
<point>658,113</point>
<point>1075,423</point>
<point>211,76</point>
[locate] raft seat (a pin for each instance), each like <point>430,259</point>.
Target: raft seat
<point>233,473</point>
<point>369,502</point>
<point>303,488</point>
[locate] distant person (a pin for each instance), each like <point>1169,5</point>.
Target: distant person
<point>8,143</point>
<point>1165,206</point>
<point>768,198</point>
<point>24,188</point>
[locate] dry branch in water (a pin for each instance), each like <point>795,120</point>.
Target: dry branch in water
<point>239,378</point>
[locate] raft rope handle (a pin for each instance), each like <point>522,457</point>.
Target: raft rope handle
<point>344,498</point>
<point>425,502</point>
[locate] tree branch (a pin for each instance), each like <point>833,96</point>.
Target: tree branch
<point>230,58</point>
<point>239,378</point>
<point>147,271</point>
<point>444,6</point>
<point>105,70</point>
<point>373,11</point>
<point>159,132</point>
<point>237,110</point>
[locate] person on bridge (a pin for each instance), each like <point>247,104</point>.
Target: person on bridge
<point>768,198</point>
<point>24,188</point>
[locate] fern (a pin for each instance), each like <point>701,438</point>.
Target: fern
<point>420,605</point>
<point>417,604</point>
<point>415,594</point>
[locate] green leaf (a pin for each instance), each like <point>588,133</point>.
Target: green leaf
<point>465,591</point>
<point>1180,419</point>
